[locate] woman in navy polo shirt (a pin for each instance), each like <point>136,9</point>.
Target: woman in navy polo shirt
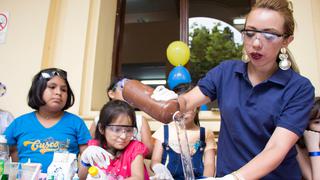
<point>264,103</point>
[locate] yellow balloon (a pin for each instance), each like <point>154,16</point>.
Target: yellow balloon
<point>178,53</point>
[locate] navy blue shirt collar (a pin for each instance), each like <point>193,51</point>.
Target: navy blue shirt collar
<point>280,77</point>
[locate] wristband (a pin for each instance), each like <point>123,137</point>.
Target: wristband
<point>85,164</point>
<point>316,153</point>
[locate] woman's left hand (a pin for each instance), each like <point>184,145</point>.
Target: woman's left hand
<point>312,140</point>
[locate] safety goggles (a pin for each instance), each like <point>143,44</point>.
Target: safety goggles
<point>130,131</point>
<point>119,84</point>
<point>48,74</point>
<point>250,34</point>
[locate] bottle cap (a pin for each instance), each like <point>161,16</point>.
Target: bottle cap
<point>93,171</point>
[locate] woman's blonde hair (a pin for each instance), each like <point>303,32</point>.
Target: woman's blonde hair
<point>284,7</point>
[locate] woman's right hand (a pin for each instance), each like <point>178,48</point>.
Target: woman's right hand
<point>312,140</point>
<point>96,156</point>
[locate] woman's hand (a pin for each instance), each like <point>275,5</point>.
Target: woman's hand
<point>312,140</point>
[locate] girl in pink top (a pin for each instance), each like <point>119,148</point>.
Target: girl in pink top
<point>115,131</point>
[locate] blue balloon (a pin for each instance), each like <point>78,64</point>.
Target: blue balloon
<point>178,75</point>
<point>203,107</point>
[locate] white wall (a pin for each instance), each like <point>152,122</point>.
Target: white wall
<point>31,37</point>
<point>22,52</point>
<point>305,46</point>
<point>68,42</point>
<point>69,34</point>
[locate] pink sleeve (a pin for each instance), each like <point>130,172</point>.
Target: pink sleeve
<point>136,148</point>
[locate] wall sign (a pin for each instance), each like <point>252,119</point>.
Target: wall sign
<point>4,17</point>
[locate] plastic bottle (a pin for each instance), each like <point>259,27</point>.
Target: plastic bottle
<point>50,177</point>
<point>59,176</point>
<point>19,173</point>
<point>4,158</point>
<point>139,95</point>
<point>75,177</point>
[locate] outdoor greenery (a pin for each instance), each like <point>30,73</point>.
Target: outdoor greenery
<point>209,48</point>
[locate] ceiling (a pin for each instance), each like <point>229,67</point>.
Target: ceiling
<point>141,11</point>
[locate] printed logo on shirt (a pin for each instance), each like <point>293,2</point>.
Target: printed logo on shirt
<point>47,145</point>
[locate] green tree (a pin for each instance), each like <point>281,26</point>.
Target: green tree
<point>209,48</point>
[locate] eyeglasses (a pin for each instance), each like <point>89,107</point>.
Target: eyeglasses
<point>48,74</point>
<point>249,34</point>
<point>130,131</point>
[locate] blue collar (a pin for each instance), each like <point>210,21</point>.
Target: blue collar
<point>280,77</point>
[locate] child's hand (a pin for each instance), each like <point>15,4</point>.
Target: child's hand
<point>312,140</point>
<point>161,172</point>
<point>96,156</point>
<point>161,93</point>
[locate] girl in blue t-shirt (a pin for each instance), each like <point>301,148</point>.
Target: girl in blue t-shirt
<point>38,134</point>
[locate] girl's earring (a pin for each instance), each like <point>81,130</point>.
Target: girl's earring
<point>245,57</point>
<point>284,63</point>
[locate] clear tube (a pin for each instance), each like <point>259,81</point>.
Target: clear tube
<point>184,147</point>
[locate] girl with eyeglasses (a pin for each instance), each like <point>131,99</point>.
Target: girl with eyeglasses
<point>114,92</point>
<point>50,128</point>
<point>264,104</point>
<point>308,146</point>
<point>116,131</point>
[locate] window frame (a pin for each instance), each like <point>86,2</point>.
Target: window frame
<point>119,29</point>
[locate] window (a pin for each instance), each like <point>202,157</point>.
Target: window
<point>214,33</point>
<point>147,27</point>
